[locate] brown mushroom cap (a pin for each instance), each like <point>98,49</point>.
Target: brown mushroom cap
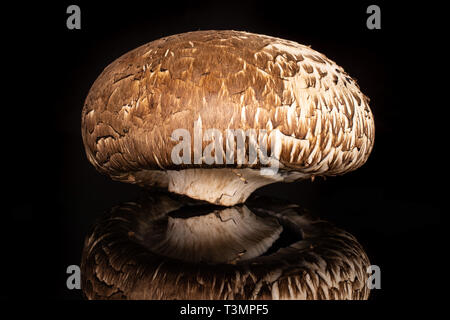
<point>224,80</point>
<point>311,259</point>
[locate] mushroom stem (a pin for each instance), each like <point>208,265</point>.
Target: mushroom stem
<point>223,186</point>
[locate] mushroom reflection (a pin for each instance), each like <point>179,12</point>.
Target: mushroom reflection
<point>166,246</point>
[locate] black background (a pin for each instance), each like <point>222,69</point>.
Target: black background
<point>391,204</point>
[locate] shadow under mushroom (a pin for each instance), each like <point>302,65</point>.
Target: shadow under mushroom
<point>166,246</point>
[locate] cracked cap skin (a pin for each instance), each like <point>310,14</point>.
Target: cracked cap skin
<point>225,80</point>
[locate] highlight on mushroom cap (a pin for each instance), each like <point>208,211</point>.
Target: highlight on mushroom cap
<point>201,113</point>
